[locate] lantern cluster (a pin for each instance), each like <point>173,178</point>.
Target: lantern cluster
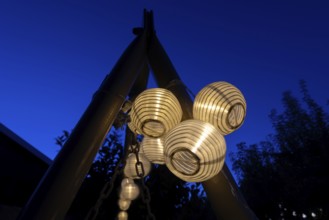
<point>134,169</point>
<point>129,191</point>
<point>194,150</point>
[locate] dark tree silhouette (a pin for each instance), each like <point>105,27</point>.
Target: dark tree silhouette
<point>287,176</point>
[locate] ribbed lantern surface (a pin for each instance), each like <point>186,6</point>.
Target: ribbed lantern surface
<point>155,111</point>
<point>129,191</point>
<point>130,167</point>
<point>221,104</point>
<point>153,149</point>
<point>133,128</point>
<point>194,150</point>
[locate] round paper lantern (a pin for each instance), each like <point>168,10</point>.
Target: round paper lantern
<point>129,191</point>
<point>126,181</point>
<point>130,167</point>
<point>153,149</point>
<point>124,204</point>
<point>155,111</point>
<point>123,215</point>
<point>194,150</point>
<point>133,128</point>
<point>222,105</point>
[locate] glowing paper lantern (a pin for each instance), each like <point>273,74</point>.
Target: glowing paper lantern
<point>126,181</point>
<point>153,149</point>
<point>123,215</point>
<point>222,105</point>
<point>129,191</point>
<point>124,204</point>
<point>130,167</point>
<point>194,150</point>
<point>155,111</point>
<point>132,126</point>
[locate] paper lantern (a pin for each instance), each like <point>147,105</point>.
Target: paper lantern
<point>129,191</point>
<point>155,111</point>
<point>222,105</point>
<point>122,215</point>
<point>126,181</point>
<point>130,167</point>
<point>133,128</point>
<point>153,149</point>
<point>124,204</point>
<point>194,150</point>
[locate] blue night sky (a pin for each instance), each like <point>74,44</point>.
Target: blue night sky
<point>55,54</point>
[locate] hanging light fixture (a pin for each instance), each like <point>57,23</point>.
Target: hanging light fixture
<point>221,104</point>
<point>155,111</point>
<point>153,149</point>
<point>122,215</point>
<point>124,204</point>
<point>125,181</point>
<point>194,150</point>
<point>130,167</point>
<point>132,126</point>
<point>129,191</point>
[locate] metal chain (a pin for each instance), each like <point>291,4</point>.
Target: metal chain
<point>135,147</point>
<point>145,192</point>
<point>146,197</point>
<point>105,192</point>
<point>107,189</point>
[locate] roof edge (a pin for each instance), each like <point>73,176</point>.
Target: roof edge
<point>24,144</point>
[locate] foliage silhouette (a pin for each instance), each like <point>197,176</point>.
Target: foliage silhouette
<point>287,175</point>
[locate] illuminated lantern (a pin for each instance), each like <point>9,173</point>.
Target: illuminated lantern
<point>153,149</point>
<point>194,150</point>
<point>129,191</point>
<point>124,204</point>
<point>130,167</point>
<point>222,105</point>
<point>123,215</point>
<point>155,111</point>
<point>126,181</point>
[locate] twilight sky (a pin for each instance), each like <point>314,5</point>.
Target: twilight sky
<point>55,54</point>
